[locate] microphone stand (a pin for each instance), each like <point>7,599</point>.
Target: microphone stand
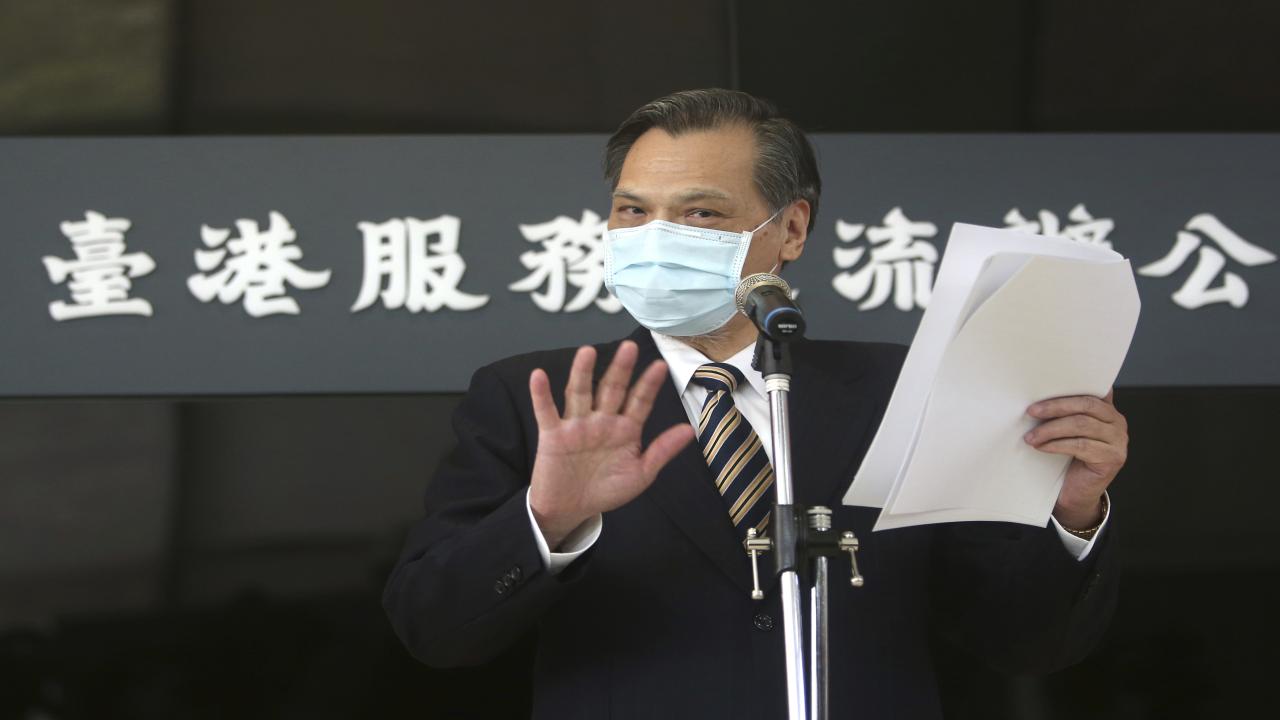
<point>800,536</point>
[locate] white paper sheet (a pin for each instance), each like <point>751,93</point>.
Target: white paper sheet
<point>1014,318</point>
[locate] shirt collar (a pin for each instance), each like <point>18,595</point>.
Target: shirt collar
<point>683,360</point>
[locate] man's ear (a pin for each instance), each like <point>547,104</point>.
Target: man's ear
<point>795,225</point>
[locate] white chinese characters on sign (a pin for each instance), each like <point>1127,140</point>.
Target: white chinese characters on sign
<point>414,264</point>
<point>101,271</point>
<point>255,267</point>
<point>571,254</point>
<point>1084,227</point>
<point>1196,291</point>
<point>900,262</point>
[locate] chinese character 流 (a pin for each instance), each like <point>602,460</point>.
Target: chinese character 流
<point>900,262</point>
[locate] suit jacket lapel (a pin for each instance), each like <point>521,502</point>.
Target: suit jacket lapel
<point>831,414</point>
<point>684,489</point>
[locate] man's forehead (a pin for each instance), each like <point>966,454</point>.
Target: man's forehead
<point>703,164</point>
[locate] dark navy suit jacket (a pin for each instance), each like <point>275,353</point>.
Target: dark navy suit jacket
<point>656,619</point>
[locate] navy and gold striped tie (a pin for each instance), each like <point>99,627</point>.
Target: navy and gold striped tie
<point>739,465</point>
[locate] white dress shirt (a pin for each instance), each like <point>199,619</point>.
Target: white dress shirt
<point>752,401</point>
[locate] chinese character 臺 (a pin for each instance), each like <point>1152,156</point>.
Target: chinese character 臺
<point>419,264</point>
<point>900,262</point>
<point>1196,291</point>
<point>572,254</point>
<point>101,271</point>
<point>255,267</point>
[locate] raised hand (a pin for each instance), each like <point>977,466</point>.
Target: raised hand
<point>590,461</point>
<point>1096,435</point>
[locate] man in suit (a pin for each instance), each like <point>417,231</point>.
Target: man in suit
<point>600,496</point>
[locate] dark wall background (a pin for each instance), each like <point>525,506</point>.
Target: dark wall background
<point>223,557</point>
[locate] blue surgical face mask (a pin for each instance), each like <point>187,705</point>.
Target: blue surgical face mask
<point>676,279</point>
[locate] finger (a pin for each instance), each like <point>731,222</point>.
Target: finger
<point>1086,450</point>
<point>645,391</point>
<point>544,408</point>
<point>1074,405</point>
<point>665,447</point>
<point>577,391</point>
<point>612,389</point>
<point>1070,426</point>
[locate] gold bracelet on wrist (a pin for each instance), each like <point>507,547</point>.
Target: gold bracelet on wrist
<point>1088,534</point>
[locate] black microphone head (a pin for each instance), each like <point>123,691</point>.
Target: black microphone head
<point>766,299</point>
<point>751,282</point>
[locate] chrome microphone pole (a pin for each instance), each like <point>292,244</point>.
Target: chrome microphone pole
<point>778,385</point>
<point>799,535</point>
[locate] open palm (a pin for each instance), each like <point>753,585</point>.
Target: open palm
<point>589,460</point>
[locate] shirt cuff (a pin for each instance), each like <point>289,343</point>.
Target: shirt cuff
<point>1076,545</point>
<point>574,544</point>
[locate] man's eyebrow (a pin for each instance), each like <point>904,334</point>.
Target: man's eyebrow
<point>687,196</point>
<point>702,194</point>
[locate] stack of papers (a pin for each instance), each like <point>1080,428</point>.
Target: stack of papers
<point>1014,319</point>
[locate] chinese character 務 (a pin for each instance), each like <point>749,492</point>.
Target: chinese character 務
<point>571,254</point>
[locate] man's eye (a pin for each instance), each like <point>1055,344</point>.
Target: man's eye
<point>630,210</point>
<point>704,214</point>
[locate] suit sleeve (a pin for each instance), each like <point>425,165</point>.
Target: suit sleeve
<point>470,581</point>
<point>1015,596</point>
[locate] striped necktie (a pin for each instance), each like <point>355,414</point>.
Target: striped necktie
<point>733,451</point>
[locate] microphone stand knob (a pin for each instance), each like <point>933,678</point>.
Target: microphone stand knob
<point>849,543</point>
<point>756,545</point>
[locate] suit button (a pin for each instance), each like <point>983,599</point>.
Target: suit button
<point>763,621</point>
<point>514,574</point>
<point>500,587</point>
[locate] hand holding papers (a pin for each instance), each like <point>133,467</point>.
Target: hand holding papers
<point>1014,319</point>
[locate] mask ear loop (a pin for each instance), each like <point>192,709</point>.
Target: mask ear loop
<point>777,265</point>
<point>771,219</point>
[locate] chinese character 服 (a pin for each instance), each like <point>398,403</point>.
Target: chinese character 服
<point>900,262</point>
<point>1083,228</point>
<point>1196,291</point>
<point>414,264</point>
<point>254,267</point>
<point>571,254</point>
<point>101,271</point>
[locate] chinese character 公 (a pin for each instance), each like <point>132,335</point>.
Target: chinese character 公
<point>572,254</point>
<point>900,261</point>
<point>100,272</point>
<point>420,273</point>
<point>1195,292</point>
<point>258,266</point>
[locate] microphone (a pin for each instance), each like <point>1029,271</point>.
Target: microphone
<point>766,299</point>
